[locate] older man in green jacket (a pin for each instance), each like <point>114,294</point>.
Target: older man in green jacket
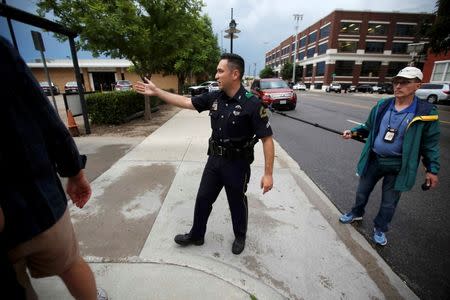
<point>399,131</point>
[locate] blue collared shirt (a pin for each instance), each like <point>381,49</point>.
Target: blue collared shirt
<point>399,120</point>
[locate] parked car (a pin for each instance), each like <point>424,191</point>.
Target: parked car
<point>434,92</point>
<point>46,88</point>
<point>376,88</point>
<point>300,86</point>
<point>351,89</point>
<point>123,85</point>
<point>274,92</point>
<point>214,86</point>
<point>204,87</point>
<point>334,87</point>
<point>364,88</point>
<point>386,88</point>
<point>71,87</point>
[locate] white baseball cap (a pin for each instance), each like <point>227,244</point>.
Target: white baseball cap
<point>410,73</point>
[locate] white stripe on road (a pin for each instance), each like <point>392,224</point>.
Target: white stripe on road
<point>354,122</point>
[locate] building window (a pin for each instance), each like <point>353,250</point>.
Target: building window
<point>394,67</point>
<point>374,47</point>
<point>377,29</point>
<point>312,37</point>
<point>399,48</point>
<point>293,47</point>
<point>405,30</point>
<point>370,68</point>
<point>309,70</point>
<point>350,27</point>
<point>302,42</point>
<point>310,52</point>
<point>320,68</point>
<point>301,55</point>
<point>348,46</point>
<point>344,68</point>
<point>324,32</point>
<point>323,48</point>
<point>441,71</point>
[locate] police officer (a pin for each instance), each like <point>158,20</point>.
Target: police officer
<point>238,121</point>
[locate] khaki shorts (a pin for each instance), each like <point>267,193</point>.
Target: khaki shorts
<point>49,253</point>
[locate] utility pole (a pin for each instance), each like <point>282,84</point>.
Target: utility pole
<point>297,17</point>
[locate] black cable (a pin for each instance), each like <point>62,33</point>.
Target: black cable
<point>355,137</point>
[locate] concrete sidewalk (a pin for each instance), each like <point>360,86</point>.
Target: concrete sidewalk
<point>296,249</point>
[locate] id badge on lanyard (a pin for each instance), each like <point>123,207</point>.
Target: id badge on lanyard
<point>389,135</point>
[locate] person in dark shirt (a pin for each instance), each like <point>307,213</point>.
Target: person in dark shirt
<point>36,147</point>
<point>238,121</point>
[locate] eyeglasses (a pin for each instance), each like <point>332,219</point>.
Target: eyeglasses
<point>402,81</point>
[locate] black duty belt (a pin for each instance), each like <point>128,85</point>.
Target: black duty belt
<point>232,152</point>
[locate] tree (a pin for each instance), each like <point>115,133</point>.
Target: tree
<point>286,71</point>
<point>267,72</point>
<point>439,32</point>
<point>200,57</point>
<point>149,33</point>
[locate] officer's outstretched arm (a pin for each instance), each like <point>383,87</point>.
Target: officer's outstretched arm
<point>150,89</point>
<point>269,155</point>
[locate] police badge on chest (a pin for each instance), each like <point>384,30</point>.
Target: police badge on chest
<point>237,110</point>
<point>389,135</point>
<point>214,105</point>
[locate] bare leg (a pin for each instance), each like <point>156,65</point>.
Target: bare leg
<point>80,280</point>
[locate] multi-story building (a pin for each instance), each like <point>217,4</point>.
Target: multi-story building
<point>351,47</point>
<point>437,68</point>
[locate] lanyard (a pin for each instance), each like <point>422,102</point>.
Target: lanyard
<point>389,122</point>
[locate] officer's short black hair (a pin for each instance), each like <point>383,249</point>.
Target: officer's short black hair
<point>234,62</point>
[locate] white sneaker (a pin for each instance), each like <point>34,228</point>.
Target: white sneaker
<point>101,294</point>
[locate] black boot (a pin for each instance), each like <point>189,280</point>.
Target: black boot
<point>238,245</point>
<point>186,239</point>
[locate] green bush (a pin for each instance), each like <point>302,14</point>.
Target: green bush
<point>115,107</point>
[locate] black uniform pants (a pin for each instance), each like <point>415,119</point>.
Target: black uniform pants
<point>220,172</point>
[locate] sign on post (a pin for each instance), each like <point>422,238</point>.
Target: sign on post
<point>37,40</point>
<point>39,45</point>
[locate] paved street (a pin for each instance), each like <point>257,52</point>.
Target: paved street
<point>295,248</point>
<point>419,234</point>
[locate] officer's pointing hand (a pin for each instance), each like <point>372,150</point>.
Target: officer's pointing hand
<point>148,88</point>
<point>266,183</point>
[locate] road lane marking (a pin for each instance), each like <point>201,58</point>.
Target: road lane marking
<point>354,122</point>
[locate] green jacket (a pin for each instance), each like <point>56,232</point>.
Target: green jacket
<point>421,140</point>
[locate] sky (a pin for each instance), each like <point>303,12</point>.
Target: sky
<point>263,24</point>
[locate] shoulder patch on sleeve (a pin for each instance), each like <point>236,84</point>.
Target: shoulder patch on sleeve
<point>263,112</point>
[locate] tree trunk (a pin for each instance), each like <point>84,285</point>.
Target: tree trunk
<point>147,108</point>
<point>181,79</point>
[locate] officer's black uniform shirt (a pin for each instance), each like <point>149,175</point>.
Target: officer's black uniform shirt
<point>234,120</point>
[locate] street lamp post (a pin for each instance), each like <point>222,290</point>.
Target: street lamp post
<point>232,30</point>
<point>297,17</point>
